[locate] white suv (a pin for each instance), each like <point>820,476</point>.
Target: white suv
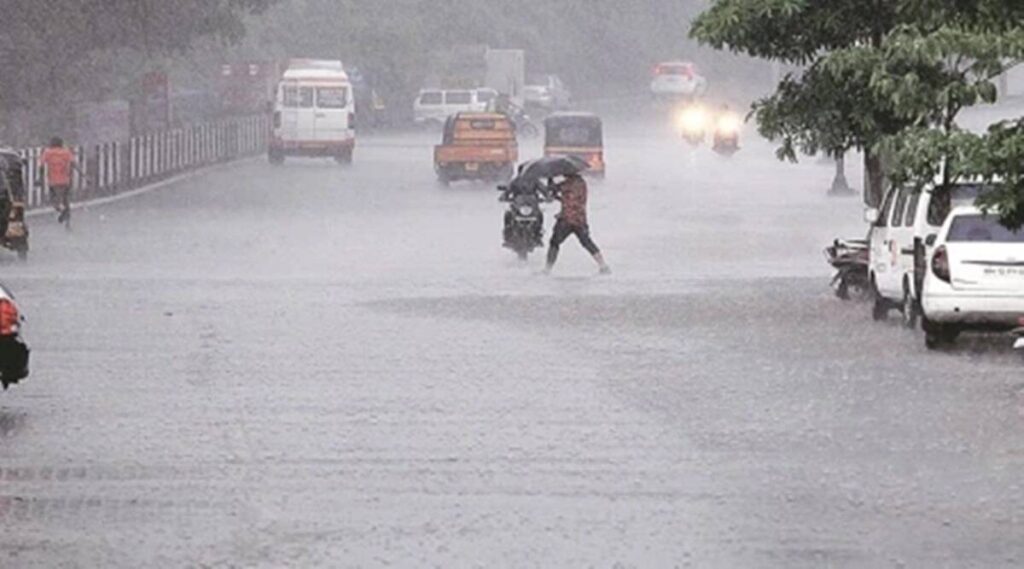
<point>434,106</point>
<point>975,278</point>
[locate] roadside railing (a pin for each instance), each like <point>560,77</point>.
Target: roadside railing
<point>112,168</point>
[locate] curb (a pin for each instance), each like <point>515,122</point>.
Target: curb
<point>48,210</point>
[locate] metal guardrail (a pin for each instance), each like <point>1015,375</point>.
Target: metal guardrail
<point>112,168</point>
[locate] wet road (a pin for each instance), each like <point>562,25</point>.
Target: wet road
<point>339,367</point>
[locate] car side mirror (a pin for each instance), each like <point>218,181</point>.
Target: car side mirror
<point>931,239</point>
<point>871,216</point>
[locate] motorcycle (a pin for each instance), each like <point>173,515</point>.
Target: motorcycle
<point>727,134</point>
<point>849,257</point>
<point>524,218</point>
<point>523,123</point>
<point>692,122</point>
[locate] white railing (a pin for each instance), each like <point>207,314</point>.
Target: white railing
<point>111,168</point>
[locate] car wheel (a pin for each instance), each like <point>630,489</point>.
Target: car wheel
<point>909,309</point>
<point>937,335</point>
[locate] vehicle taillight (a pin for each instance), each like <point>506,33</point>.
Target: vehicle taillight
<point>940,264</point>
<point>10,320</point>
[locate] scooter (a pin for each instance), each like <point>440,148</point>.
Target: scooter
<point>524,220</point>
<point>726,140</point>
<point>849,257</point>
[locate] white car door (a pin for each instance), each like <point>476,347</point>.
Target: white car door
<point>332,110</point>
<point>880,243</point>
<point>297,113</point>
<point>901,246</point>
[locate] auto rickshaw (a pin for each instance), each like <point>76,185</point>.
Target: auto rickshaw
<point>476,146</point>
<point>576,134</point>
<point>13,229</point>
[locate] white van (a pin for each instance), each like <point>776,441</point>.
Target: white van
<point>434,106</point>
<point>899,244</point>
<point>314,112</point>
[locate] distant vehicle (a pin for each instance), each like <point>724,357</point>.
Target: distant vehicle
<point>576,134</point>
<point>726,137</point>
<point>14,352</point>
<point>547,93</point>
<point>975,278</point>
<point>314,112</point>
<point>676,80</point>
<point>693,122</point>
<point>434,106</point>
<point>476,146</point>
<point>13,229</point>
<point>898,249</point>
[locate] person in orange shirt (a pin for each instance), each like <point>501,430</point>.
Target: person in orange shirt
<point>58,163</point>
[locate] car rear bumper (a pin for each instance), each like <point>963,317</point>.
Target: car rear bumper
<point>14,357</point>
<point>975,309</point>
<point>313,147</point>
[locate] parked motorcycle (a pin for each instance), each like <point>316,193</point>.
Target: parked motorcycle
<point>13,229</point>
<point>524,218</point>
<point>849,257</point>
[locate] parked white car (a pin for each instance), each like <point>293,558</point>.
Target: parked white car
<point>548,93</point>
<point>677,80</point>
<point>975,278</point>
<point>898,251</point>
<point>434,106</point>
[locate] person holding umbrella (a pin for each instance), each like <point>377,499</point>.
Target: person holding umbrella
<point>572,192</point>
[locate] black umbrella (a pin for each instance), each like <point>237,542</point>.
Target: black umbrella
<point>551,167</point>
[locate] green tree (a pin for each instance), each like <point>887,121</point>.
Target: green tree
<point>874,68</point>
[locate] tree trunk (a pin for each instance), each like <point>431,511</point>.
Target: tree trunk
<point>840,187</point>
<point>874,179</point>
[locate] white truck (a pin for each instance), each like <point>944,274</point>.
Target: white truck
<point>314,112</point>
<point>506,73</point>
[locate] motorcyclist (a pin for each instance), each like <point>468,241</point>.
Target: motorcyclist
<point>572,192</point>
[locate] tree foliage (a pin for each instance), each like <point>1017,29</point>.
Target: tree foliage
<point>886,76</point>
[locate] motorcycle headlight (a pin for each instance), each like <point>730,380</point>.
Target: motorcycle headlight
<point>525,210</point>
<point>729,124</point>
<point>692,120</point>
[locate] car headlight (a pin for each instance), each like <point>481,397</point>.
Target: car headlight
<point>526,210</point>
<point>729,124</point>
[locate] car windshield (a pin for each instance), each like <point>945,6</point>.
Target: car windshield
<point>982,228</point>
<point>332,97</point>
<point>458,98</point>
<point>431,98</point>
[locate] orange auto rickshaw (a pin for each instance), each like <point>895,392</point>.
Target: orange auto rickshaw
<point>576,134</point>
<point>476,146</point>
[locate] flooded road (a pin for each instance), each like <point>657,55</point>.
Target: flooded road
<point>316,365</point>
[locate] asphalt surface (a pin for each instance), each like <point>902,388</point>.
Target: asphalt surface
<point>320,366</point>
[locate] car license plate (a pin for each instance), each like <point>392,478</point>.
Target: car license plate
<point>472,166</point>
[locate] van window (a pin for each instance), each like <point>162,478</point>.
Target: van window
<point>332,97</point>
<point>883,216</point>
<point>899,209</point>
<point>431,98</point>
<point>915,202</point>
<point>458,98</point>
<point>295,97</point>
